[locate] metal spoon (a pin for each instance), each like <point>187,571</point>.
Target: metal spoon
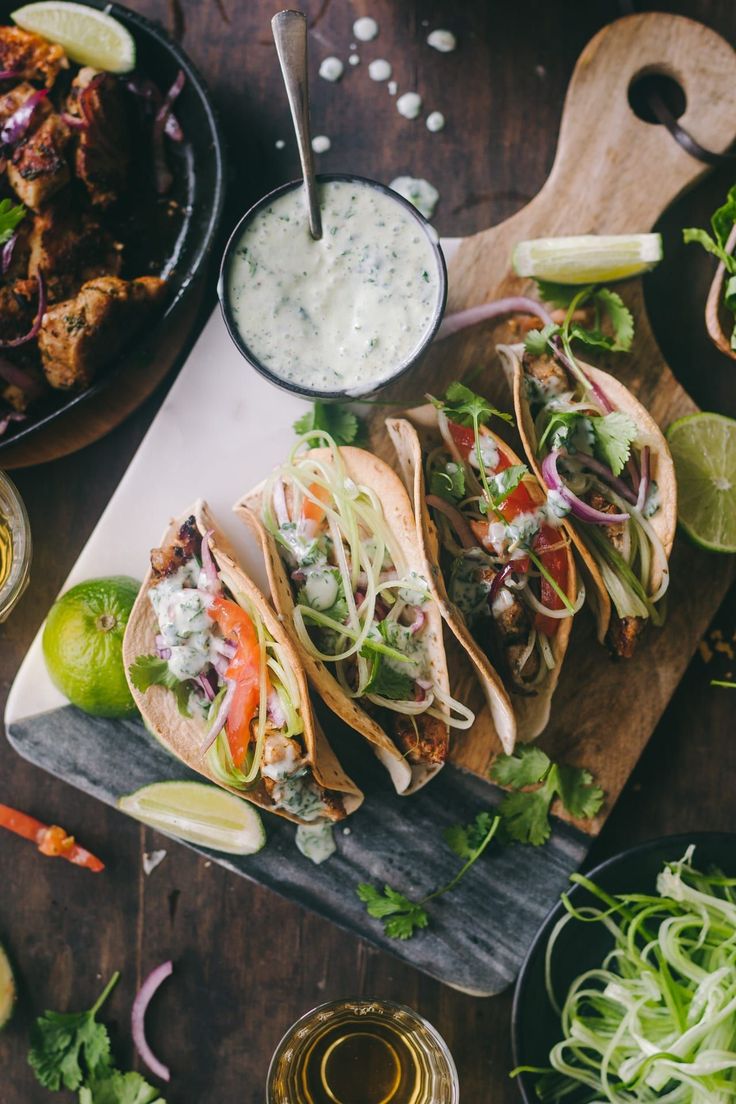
<point>290,35</point>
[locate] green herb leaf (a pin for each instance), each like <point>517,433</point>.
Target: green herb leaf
<point>620,317</point>
<point>465,839</point>
<point>614,435</point>
<point>536,342</point>
<point>526,813</point>
<point>150,670</point>
<point>505,482</point>
<point>68,1047</point>
<point>448,482</point>
<point>119,1088</point>
<point>557,295</point>
<point>342,424</point>
<point>401,916</point>
<point>467,408</point>
<point>385,682</point>
<point>10,215</point>
<point>559,430</point>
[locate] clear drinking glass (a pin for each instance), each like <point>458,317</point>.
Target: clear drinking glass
<point>362,1052</point>
<point>15,546</point>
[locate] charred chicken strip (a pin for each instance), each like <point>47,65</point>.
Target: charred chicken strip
<point>168,560</point>
<point>71,247</point>
<point>428,742</point>
<point>39,167</point>
<point>16,97</point>
<point>103,149</point>
<point>79,335</point>
<point>30,57</point>
<point>18,304</point>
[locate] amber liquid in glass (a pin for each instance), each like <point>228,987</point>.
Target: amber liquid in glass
<point>355,1062</point>
<point>6,549</point>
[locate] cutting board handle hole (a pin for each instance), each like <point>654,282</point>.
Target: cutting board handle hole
<point>656,82</point>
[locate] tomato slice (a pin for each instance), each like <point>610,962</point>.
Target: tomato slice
<point>244,669</point>
<point>53,841</point>
<point>311,511</point>
<point>556,563</point>
<point>463,436</point>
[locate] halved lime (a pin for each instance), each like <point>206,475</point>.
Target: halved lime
<point>89,37</point>
<point>200,814</point>
<point>7,989</point>
<point>589,258</point>
<point>703,447</point>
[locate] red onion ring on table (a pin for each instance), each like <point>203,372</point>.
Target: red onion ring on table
<point>497,308</point>
<point>138,1014</point>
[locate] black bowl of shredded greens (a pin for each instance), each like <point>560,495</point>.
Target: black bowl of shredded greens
<point>628,993</point>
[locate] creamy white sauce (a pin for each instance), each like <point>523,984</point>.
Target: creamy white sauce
<point>280,143</point>
<point>392,88</point>
<point>331,69</point>
<point>343,312</point>
<point>316,842</point>
<point>442,40</point>
<point>354,59</point>
<point>379,70</point>
<point>365,29</point>
<point>409,105</point>
<point>322,588</point>
<point>321,143</point>
<point>435,121</point>
<point>420,192</point>
<point>282,757</point>
<point>181,612</point>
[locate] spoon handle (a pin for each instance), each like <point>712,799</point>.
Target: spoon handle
<point>290,35</point>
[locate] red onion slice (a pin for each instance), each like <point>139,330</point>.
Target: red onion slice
<point>6,419</point>
<point>456,519</point>
<point>498,580</point>
<point>580,509</point>
<point>497,308</point>
<point>16,341</point>
<point>163,175</point>
<point>7,74</point>
<point>138,1015</point>
<point>607,475</point>
<point>419,618</point>
<point>74,121</point>
<point>7,252</point>
<point>220,718</point>
<point>16,126</point>
<point>208,564</point>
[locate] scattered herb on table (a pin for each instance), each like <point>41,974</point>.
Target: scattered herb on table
<point>525,812</point>
<point>342,424</point>
<point>71,1050</point>
<point>401,916</point>
<point>722,223</point>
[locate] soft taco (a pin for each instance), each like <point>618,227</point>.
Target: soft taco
<point>594,446</point>
<point>506,582</point>
<point>218,681</point>
<point>347,574</point>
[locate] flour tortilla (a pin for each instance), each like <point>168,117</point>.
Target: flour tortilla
<point>515,716</point>
<point>367,470</point>
<point>182,736</point>
<point>661,467</point>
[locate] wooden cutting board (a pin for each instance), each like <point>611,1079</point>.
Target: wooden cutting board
<point>613,173</point>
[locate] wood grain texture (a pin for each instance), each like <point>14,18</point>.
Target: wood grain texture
<point>248,962</point>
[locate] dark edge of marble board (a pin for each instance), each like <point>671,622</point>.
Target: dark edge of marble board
<point>477,936</point>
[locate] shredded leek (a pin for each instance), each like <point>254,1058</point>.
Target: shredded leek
<point>657,1020</point>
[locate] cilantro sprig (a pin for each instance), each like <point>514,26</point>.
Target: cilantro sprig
<point>607,306</point>
<point>525,812</point>
<point>11,214</point>
<point>722,223</point>
<point>402,917</point>
<point>342,424</point>
<point>71,1050</point>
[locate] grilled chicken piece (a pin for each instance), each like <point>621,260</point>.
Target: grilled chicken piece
<point>71,247</point>
<point>188,543</point>
<point>544,373</point>
<point>38,167</point>
<point>30,57</point>
<point>613,533</point>
<point>18,267</point>
<point>103,150</point>
<point>16,97</point>
<point>81,334</point>
<point>18,305</point>
<point>428,743</point>
<point>623,634</point>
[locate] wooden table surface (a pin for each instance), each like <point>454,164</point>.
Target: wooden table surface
<point>246,962</point>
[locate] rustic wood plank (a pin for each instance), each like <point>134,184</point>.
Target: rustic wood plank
<point>248,962</point>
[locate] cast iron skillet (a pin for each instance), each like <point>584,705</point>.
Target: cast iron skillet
<point>198,165</point>
<point>535,1027</point>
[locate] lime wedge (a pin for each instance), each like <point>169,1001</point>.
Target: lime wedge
<point>7,989</point>
<point>588,259</point>
<point>200,814</point>
<point>703,447</point>
<point>89,37</point>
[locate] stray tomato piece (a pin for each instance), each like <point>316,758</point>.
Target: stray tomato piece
<point>55,841</point>
<point>52,841</point>
<point>312,511</point>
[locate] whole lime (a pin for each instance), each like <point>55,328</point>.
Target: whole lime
<point>83,645</point>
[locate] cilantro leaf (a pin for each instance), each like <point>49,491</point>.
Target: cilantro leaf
<point>525,813</point>
<point>620,317</point>
<point>342,424</point>
<point>536,341</point>
<point>467,408</point>
<point>401,916</point>
<point>614,434</point>
<point>448,483</point>
<point>505,482</point>
<point>557,295</point>
<point>119,1088</point>
<point>702,237</point>
<point>66,1047</point>
<point>10,215</point>
<point>559,429</point>
<point>384,681</point>
<point>150,670</point>
<point>465,839</point>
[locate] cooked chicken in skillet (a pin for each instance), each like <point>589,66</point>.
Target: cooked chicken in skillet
<point>70,247</point>
<point>30,57</point>
<point>103,148</point>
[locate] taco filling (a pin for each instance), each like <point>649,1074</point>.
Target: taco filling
<point>593,459</point>
<point>357,608</point>
<point>214,653</point>
<point>506,560</point>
